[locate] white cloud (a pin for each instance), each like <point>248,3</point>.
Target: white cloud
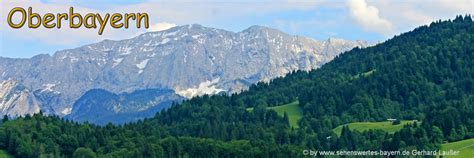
<point>394,16</point>
<point>368,17</point>
<point>466,6</point>
<point>407,14</point>
<point>161,26</point>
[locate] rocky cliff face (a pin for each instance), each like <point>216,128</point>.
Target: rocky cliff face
<point>191,60</point>
<point>16,99</point>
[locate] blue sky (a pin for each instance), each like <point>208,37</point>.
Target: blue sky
<point>369,20</point>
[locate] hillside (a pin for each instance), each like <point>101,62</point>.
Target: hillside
<point>101,107</point>
<point>425,74</point>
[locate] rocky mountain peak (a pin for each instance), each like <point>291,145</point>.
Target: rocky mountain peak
<point>191,60</point>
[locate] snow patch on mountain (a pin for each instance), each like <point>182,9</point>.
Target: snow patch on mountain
<point>164,41</point>
<point>66,111</point>
<point>169,34</point>
<point>117,62</point>
<point>142,65</point>
<point>196,36</point>
<point>206,87</point>
<point>48,87</point>
<point>125,50</point>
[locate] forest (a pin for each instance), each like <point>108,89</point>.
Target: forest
<point>426,75</point>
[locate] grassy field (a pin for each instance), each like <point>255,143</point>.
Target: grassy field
<point>363,126</point>
<point>4,154</point>
<point>465,148</point>
<point>364,74</point>
<point>292,109</point>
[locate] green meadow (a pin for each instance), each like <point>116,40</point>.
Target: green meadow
<point>4,154</point>
<point>363,126</point>
<point>465,148</point>
<point>292,109</point>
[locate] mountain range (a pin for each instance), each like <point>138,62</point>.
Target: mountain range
<point>423,78</point>
<point>189,60</point>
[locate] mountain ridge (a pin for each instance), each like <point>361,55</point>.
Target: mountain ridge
<point>191,59</point>
<point>100,106</point>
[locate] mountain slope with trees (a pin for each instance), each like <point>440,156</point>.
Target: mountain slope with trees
<point>425,74</point>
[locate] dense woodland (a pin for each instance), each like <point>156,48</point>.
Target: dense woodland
<point>426,74</point>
